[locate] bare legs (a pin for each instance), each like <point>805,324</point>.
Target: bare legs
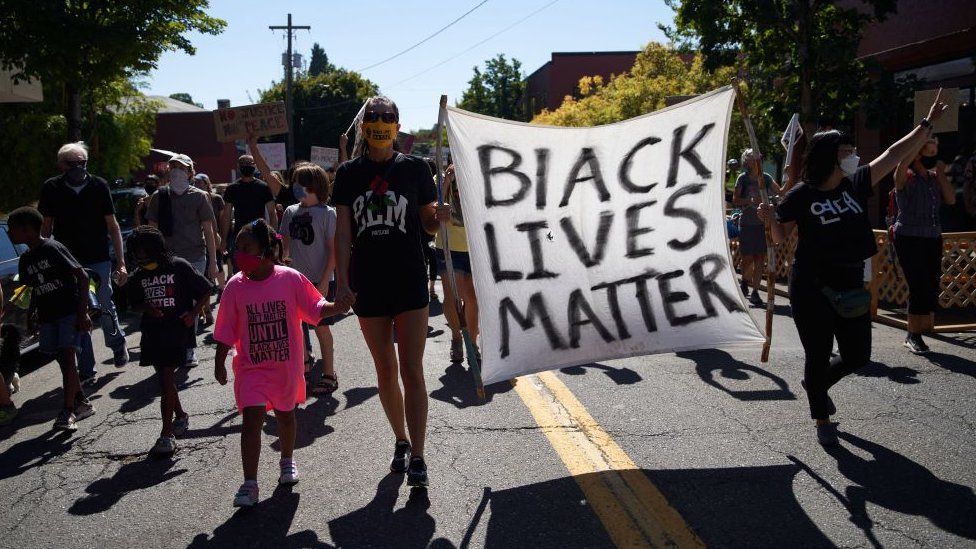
<point>406,410</point>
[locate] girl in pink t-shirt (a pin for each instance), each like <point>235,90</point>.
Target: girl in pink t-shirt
<point>260,316</point>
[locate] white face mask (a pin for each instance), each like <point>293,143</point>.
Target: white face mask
<point>849,164</point>
<point>179,180</point>
<point>306,198</point>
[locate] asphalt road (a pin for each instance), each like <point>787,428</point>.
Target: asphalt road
<point>725,442</point>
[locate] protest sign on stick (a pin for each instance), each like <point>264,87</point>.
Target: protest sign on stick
<point>325,157</point>
<point>258,120</point>
<point>596,243</point>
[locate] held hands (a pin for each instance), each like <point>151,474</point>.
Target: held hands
<point>937,108</point>
<point>443,213</point>
<point>764,211</point>
<point>345,298</point>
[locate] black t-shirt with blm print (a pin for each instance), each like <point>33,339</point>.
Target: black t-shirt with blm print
<point>49,269</point>
<point>833,226</point>
<point>172,288</point>
<point>385,201</point>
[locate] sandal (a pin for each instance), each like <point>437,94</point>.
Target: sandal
<point>327,384</point>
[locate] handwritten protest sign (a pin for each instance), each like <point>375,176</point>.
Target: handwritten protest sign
<point>258,120</point>
<point>324,156</point>
<point>274,154</point>
<point>596,243</point>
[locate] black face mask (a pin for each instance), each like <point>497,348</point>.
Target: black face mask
<point>248,171</point>
<point>929,162</point>
<point>150,189</point>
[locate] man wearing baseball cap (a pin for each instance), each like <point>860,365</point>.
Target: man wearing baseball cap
<point>185,217</point>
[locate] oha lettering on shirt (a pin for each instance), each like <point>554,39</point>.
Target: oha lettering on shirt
<point>394,215</point>
<point>267,330</point>
<point>830,211</point>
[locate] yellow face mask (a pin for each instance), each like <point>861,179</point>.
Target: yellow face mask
<point>379,134</point>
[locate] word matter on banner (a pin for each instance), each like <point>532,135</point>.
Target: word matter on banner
<point>597,243</point>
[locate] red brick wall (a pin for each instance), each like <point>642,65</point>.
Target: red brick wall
<point>193,134</point>
<point>548,86</point>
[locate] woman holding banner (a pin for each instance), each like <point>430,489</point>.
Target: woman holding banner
<point>385,201</point>
<point>829,211</point>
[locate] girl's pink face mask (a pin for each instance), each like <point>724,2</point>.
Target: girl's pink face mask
<point>246,262</point>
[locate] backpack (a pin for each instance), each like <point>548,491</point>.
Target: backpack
<point>165,212</point>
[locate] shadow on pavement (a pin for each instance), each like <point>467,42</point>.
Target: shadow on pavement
<point>620,376</point>
<point>310,422</point>
<point>953,363</point>
<point>137,475</point>
<point>266,525</point>
<point>35,452</point>
<point>898,374</point>
<point>458,389</point>
<point>45,408</point>
<point>379,524</point>
<point>709,362</point>
<point>893,481</point>
<point>359,395</point>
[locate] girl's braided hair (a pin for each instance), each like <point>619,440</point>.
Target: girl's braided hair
<point>150,240</point>
<point>266,238</point>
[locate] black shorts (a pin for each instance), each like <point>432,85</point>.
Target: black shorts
<point>165,345</point>
<point>396,295</point>
<point>921,261</point>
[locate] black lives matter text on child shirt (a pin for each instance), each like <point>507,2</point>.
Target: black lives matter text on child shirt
<point>662,205</point>
<point>49,269</point>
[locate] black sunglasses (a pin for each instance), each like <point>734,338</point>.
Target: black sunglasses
<point>373,116</point>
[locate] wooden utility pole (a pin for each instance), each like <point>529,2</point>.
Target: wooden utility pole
<point>289,67</point>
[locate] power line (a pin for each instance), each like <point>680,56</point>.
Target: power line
<point>449,59</point>
<point>442,29</point>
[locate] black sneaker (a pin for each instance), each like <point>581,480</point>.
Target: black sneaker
<point>400,450</point>
<point>417,473</point>
<point>744,287</point>
<point>915,344</point>
<point>827,434</point>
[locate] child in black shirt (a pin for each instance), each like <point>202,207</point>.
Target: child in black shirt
<point>172,294</point>
<point>59,296</point>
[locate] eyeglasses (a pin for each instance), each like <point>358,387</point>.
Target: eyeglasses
<point>373,116</point>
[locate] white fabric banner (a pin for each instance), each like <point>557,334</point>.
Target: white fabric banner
<point>597,243</point>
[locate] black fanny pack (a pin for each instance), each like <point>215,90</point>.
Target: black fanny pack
<point>850,303</point>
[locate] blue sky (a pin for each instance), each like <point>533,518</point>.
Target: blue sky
<point>246,57</point>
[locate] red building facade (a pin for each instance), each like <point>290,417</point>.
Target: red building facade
<point>551,83</point>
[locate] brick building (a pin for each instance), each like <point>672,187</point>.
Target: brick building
<point>549,84</point>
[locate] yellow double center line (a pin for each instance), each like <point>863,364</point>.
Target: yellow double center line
<point>633,511</point>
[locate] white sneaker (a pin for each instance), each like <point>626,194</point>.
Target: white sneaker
<point>14,384</point>
<point>83,410</point>
<point>247,495</point>
<point>289,472</point>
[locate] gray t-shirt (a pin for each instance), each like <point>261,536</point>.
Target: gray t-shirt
<point>311,233</point>
<point>189,211</point>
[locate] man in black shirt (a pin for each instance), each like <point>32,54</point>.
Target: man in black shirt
<point>59,295</point>
<point>245,200</point>
<point>79,213</point>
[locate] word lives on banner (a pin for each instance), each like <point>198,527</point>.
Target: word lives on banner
<point>590,244</point>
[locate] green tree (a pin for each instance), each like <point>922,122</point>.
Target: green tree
<point>324,105</point>
<point>121,127</point>
<point>659,72</point>
<point>75,47</point>
<point>185,98</point>
<point>497,91</point>
<point>799,55</point>
<point>319,63</point>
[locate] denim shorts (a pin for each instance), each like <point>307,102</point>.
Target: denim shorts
<point>60,334</point>
<point>460,260</point>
